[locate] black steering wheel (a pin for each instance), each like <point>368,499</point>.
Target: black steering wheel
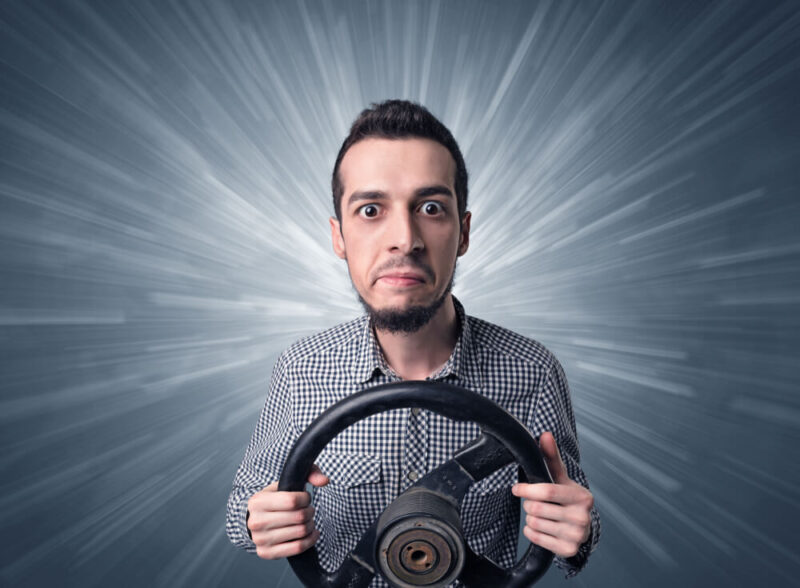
<point>417,540</point>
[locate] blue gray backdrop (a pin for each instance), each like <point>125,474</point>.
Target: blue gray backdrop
<point>164,195</point>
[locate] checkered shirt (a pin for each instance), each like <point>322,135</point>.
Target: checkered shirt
<point>377,458</point>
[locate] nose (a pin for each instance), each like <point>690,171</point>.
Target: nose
<point>403,234</point>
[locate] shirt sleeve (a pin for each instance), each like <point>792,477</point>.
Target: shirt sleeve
<point>553,412</point>
<point>263,461</point>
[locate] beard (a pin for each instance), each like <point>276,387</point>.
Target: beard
<point>409,320</point>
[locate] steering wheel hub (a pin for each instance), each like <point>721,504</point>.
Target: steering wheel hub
<point>420,541</point>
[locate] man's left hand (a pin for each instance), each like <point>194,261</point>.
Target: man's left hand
<point>559,514</point>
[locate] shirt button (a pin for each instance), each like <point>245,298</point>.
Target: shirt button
<point>415,411</point>
<point>412,475</point>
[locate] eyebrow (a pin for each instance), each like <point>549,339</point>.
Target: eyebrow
<point>437,190</point>
<point>434,190</point>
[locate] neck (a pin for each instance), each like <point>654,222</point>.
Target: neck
<point>415,356</point>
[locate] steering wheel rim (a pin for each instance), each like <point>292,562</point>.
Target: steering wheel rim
<point>503,440</point>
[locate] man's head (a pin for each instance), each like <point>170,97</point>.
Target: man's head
<point>401,222</point>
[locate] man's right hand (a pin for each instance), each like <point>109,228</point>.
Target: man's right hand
<point>282,523</point>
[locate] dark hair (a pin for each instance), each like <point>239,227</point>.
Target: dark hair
<point>396,119</point>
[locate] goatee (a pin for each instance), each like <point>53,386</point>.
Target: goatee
<point>409,320</point>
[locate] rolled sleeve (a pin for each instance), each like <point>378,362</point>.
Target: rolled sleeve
<point>265,455</point>
<point>553,412</point>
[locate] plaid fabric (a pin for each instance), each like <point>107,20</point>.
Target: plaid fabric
<point>374,460</point>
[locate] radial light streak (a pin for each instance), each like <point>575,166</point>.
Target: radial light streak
<point>164,196</point>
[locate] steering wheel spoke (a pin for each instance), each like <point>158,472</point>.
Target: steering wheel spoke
<point>353,573</point>
<point>482,456</point>
<point>480,571</point>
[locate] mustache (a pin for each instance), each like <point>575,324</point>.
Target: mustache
<point>406,262</point>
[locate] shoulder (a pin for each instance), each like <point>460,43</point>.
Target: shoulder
<point>341,339</point>
<point>494,339</point>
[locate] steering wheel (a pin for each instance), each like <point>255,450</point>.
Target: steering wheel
<point>417,540</point>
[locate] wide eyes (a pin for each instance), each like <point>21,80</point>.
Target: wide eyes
<point>427,208</point>
<point>431,208</point>
<point>368,210</point>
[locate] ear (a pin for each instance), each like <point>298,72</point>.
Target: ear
<point>463,238</point>
<point>337,239</point>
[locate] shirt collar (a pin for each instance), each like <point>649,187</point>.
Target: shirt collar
<point>462,367</point>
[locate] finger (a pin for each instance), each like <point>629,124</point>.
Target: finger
<point>275,537</point>
<point>559,530</point>
<point>263,521</point>
<point>558,546</point>
<point>278,501</point>
<point>545,510</point>
<point>290,548</point>
<point>317,478</point>
<point>551,454</point>
<point>572,515</point>
<point>564,494</point>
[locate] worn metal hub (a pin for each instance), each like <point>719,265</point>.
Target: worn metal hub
<point>420,541</point>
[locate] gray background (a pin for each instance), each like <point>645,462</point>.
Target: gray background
<point>164,195</point>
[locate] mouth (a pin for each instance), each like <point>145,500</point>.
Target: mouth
<point>400,278</point>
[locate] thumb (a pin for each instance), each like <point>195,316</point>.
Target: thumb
<point>317,478</point>
<point>549,449</point>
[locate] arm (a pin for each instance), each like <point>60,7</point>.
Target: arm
<point>261,519</point>
<point>561,516</point>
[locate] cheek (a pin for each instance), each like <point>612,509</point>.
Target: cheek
<point>358,251</point>
<point>446,242</point>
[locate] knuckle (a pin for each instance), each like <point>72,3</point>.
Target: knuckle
<point>527,506</point>
<point>304,515</point>
<point>299,500</point>
<point>310,540</point>
<point>263,552</point>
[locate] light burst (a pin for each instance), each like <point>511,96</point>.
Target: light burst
<point>164,195</point>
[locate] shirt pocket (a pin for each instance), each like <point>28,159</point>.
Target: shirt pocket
<point>348,470</point>
<point>355,494</point>
<point>489,503</point>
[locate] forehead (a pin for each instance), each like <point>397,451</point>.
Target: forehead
<point>396,165</point>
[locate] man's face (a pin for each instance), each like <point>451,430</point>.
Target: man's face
<point>399,228</point>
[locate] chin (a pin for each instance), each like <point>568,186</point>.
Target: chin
<point>407,318</point>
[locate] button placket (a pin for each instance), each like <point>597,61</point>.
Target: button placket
<point>416,455</point>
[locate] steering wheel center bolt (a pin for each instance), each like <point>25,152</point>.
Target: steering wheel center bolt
<point>420,541</point>
<point>419,556</point>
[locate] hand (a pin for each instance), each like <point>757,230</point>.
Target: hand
<point>558,515</point>
<point>282,523</point>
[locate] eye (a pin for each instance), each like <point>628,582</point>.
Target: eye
<point>432,208</point>
<point>368,211</point>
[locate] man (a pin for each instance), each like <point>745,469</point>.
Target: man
<point>400,198</point>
